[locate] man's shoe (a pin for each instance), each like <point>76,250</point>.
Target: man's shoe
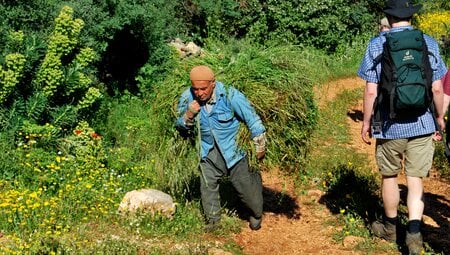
<point>255,223</point>
<point>387,231</point>
<point>414,243</point>
<point>212,226</point>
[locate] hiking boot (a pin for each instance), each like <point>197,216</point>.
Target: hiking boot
<point>255,223</point>
<point>385,230</point>
<point>212,226</point>
<point>414,243</point>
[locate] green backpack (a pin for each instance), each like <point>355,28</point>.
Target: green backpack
<point>404,91</point>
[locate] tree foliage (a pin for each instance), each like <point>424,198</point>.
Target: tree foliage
<point>320,23</point>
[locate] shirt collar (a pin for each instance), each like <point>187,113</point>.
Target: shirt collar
<point>396,29</point>
<point>212,100</point>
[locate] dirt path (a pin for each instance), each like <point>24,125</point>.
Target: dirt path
<point>300,225</point>
<point>303,232</point>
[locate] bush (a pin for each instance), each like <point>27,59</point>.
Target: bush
<point>130,35</point>
<point>323,24</point>
<point>437,24</point>
<point>440,162</point>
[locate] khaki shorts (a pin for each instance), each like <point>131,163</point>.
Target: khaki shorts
<point>416,154</point>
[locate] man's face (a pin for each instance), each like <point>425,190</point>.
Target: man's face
<point>203,90</point>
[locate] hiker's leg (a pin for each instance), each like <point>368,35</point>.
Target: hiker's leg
<point>212,170</point>
<point>418,162</point>
<point>248,184</point>
<point>389,156</point>
<point>391,195</point>
<point>414,199</point>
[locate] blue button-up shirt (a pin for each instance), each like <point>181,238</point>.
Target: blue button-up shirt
<point>401,129</point>
<point>219,122</point>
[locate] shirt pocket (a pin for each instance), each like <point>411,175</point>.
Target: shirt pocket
<point>224,116</point>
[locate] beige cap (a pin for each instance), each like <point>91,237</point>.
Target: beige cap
<point>201,73</point>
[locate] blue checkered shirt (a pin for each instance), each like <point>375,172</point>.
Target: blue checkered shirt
<point>401,129</point>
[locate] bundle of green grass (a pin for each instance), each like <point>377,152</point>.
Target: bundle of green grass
<point>273,79</point>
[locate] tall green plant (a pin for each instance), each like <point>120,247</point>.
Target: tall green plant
<point>62,42</point>
<point>10,74</point>
<point>62,90</point>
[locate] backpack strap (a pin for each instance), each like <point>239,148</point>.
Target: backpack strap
<point>228,96</point>
<point>377,59</point>
<point>377,120</point>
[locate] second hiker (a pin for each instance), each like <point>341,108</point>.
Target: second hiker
<point>406,135</point>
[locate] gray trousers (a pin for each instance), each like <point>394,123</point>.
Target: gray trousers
<point>247,184</point>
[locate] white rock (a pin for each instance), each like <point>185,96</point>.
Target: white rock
<point>147,201</point>
<point>192,49</point>
<point>185,50</point>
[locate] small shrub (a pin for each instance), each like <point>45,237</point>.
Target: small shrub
<point>440,162</point>
<point>437,24</point>
<point>354,225</point>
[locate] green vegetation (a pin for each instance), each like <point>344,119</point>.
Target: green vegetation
<point>87,105</point>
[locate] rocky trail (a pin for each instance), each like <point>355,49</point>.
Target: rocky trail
<point>299,224</point>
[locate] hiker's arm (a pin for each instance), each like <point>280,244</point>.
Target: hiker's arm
<point>370,93</point>
<point>446,103</point>
<point>438,100</point>
<point>446,88</point>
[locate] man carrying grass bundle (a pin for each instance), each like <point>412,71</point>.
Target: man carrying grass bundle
<point>217,111</point>
<point>403,108</point>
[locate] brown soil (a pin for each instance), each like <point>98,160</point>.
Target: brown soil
<point>298,224</point>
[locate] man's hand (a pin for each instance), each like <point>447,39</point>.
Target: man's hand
<point>191,112</point>
<point>365,133</point>
<point>260,146</point>
<point>260,155</point>
<point>441,125</point>
<point>437,136</point>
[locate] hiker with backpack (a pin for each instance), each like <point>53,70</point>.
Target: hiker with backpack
<point>403,110</point>
<point>214,111</point>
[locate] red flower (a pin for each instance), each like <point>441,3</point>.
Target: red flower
<point>77,132</point>
<point>95,135</point>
